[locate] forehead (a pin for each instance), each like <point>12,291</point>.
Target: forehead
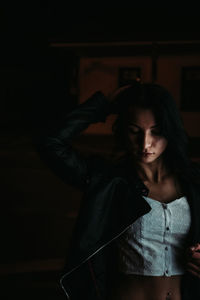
<point>140,116</point>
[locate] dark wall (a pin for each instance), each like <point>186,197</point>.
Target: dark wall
<point>36,82</point>
<point>38,211</point>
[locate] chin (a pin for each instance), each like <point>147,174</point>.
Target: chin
<point>148,159</point>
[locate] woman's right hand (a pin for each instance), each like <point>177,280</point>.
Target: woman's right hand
<point>113,97</point>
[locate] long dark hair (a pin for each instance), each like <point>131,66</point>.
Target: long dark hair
<point>160,101</point>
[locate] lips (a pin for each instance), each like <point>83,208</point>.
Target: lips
<point>147,153</point>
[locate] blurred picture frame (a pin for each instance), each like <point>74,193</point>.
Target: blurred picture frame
<point>129,75</point>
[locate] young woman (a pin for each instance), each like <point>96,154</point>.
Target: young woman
<point>138,231</point>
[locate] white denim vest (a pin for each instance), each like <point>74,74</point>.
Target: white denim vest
<point>154,245</point>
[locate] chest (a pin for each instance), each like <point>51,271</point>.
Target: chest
<point>165,191</point>
<point>164,221</point>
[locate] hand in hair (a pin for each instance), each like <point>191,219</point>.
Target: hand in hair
<point>113,98</point>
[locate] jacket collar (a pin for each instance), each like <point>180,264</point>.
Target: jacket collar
<point>127,170</point>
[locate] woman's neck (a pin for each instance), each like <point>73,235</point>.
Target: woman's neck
<point>154,172</point>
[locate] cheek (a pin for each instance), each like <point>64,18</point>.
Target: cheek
<point>162,144</point>
<point>133,140</point>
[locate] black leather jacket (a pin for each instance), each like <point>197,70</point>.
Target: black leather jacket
<point>112,201</point>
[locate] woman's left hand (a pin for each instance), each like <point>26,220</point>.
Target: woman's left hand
<point>193,263</point>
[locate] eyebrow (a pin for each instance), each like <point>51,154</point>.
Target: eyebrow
<point>133,124</point>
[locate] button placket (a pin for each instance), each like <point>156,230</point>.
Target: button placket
<point>167,215</point>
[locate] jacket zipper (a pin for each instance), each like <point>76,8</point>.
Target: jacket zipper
<point>75,268</point>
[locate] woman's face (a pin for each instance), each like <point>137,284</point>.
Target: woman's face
<point>145,142</point>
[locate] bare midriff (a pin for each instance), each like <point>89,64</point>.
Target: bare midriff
<point>138,287</point>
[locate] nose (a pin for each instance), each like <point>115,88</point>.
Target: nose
<point>147,141</point>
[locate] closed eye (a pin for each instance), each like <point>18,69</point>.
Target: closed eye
<point>156,132</point>
<point>134,131</point>
<point>137,131</point>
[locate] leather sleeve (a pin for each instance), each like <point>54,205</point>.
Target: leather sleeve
<point>55,147</point>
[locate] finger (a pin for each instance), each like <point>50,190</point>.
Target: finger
<point>124,87</point>
<point>194,273</point>
<point>193,267</point>
<point>196,247</point>
<point>121,89</point>
<point>196,256</point>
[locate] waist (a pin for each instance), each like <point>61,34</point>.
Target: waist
<point>139,287</point>
<point>149,260</point>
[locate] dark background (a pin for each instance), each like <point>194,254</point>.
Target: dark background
<point>36,221</point>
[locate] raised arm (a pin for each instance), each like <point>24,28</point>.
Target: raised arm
<point>55,147</point>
